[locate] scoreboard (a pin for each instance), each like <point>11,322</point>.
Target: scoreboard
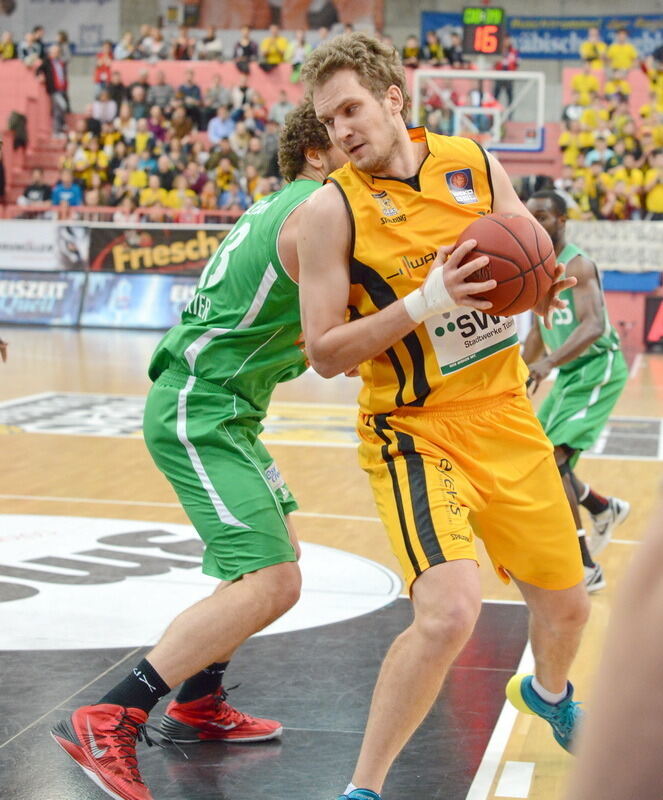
<point>483,30</point>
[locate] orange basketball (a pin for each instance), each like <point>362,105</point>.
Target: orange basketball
<point>522,261</point>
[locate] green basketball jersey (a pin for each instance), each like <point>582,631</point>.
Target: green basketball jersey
<point>241,327</point>
<point>565,321</point>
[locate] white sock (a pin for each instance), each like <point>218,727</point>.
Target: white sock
<point>581,532</point>
<point>349,788</point>
<point>544,694</point>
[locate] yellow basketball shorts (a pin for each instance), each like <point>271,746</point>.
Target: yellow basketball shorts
<point>441,476</point>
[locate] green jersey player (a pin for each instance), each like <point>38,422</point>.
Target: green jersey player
<point>213,377</point>
<point>592,372</point>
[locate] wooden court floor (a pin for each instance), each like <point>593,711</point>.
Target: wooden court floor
<point>94,467</point>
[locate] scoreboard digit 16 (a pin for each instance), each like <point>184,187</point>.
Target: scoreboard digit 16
<point>483,29</point>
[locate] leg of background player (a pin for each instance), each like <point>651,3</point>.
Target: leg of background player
<point>594,579</point>
<point>619,752</point>
<point>606,513</point>
<point>594,503</point>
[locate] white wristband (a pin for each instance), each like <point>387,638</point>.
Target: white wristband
<point>430,299</point>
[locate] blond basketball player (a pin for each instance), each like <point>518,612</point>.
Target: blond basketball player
<point>448,436</point>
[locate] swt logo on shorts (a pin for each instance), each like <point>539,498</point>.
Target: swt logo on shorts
<point>461,185</point>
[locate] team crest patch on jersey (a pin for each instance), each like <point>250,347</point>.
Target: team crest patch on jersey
<point>386,204</point>
<point>461,186</point>
<point>390,213</point>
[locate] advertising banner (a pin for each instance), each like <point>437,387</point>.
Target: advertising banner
<point>157,250</point>
<point>37,298</point>
<point>559,37</point>
<point>153,302</point>
<point>623,246</point>
<point>42,245</point>
<point>88,22</point>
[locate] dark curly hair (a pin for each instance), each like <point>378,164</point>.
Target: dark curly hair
<point>300,131</point>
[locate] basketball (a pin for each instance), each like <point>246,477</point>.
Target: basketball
<point>522,261</point>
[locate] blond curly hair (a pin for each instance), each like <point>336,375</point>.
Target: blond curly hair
<point>377,66</point>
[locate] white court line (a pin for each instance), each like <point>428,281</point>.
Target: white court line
<point>303,443</point>
<point>94,501</point>
<point>23,398</point>
<point>635,366</point>
<point>155,504</point>
<point>97,501</point>
<point>65,700</point>
<point>660,441</point>
<point>506,602</point>
<point>492,758</point>
<point>516,779</point>
<point>615,457</point>
<point>351,517</point>
<point>294,403</point>
<point>487,601</point>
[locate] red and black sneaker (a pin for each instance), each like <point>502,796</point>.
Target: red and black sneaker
<point>102,741</point>
<point>210,718</point>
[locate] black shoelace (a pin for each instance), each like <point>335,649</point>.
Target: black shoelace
<point>221,694</point>
<point>128,732</point>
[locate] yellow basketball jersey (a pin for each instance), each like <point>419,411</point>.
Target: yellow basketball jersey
<point>397,228</point>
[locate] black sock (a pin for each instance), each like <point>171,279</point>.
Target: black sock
<point>593,502</point>
<point>587,560</point>
<point>207,681</point>
<point>142,688</point>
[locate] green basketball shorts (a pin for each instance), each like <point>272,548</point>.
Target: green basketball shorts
<point>205,441</point>
<point>579,404</point>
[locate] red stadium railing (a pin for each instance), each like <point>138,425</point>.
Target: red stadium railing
<point>108,214</point>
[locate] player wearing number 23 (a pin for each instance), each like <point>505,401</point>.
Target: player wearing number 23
<point>213,376</point>
<point>447,435</point>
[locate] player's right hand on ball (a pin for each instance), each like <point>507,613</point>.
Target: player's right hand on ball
<point>455,276</point>
<point>444,288</point>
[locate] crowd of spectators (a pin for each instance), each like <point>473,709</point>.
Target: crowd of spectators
<point>157,151</point>
<point>272,50</point>
<point>434,52</point>
<point>152,44</point>
<point>612,152</point>
<point>174,152</point>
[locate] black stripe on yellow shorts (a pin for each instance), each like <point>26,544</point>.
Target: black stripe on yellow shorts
<point>415,538</point>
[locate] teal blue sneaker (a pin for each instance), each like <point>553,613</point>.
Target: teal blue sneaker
<point>563,717</point>
<point>360,794</point>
